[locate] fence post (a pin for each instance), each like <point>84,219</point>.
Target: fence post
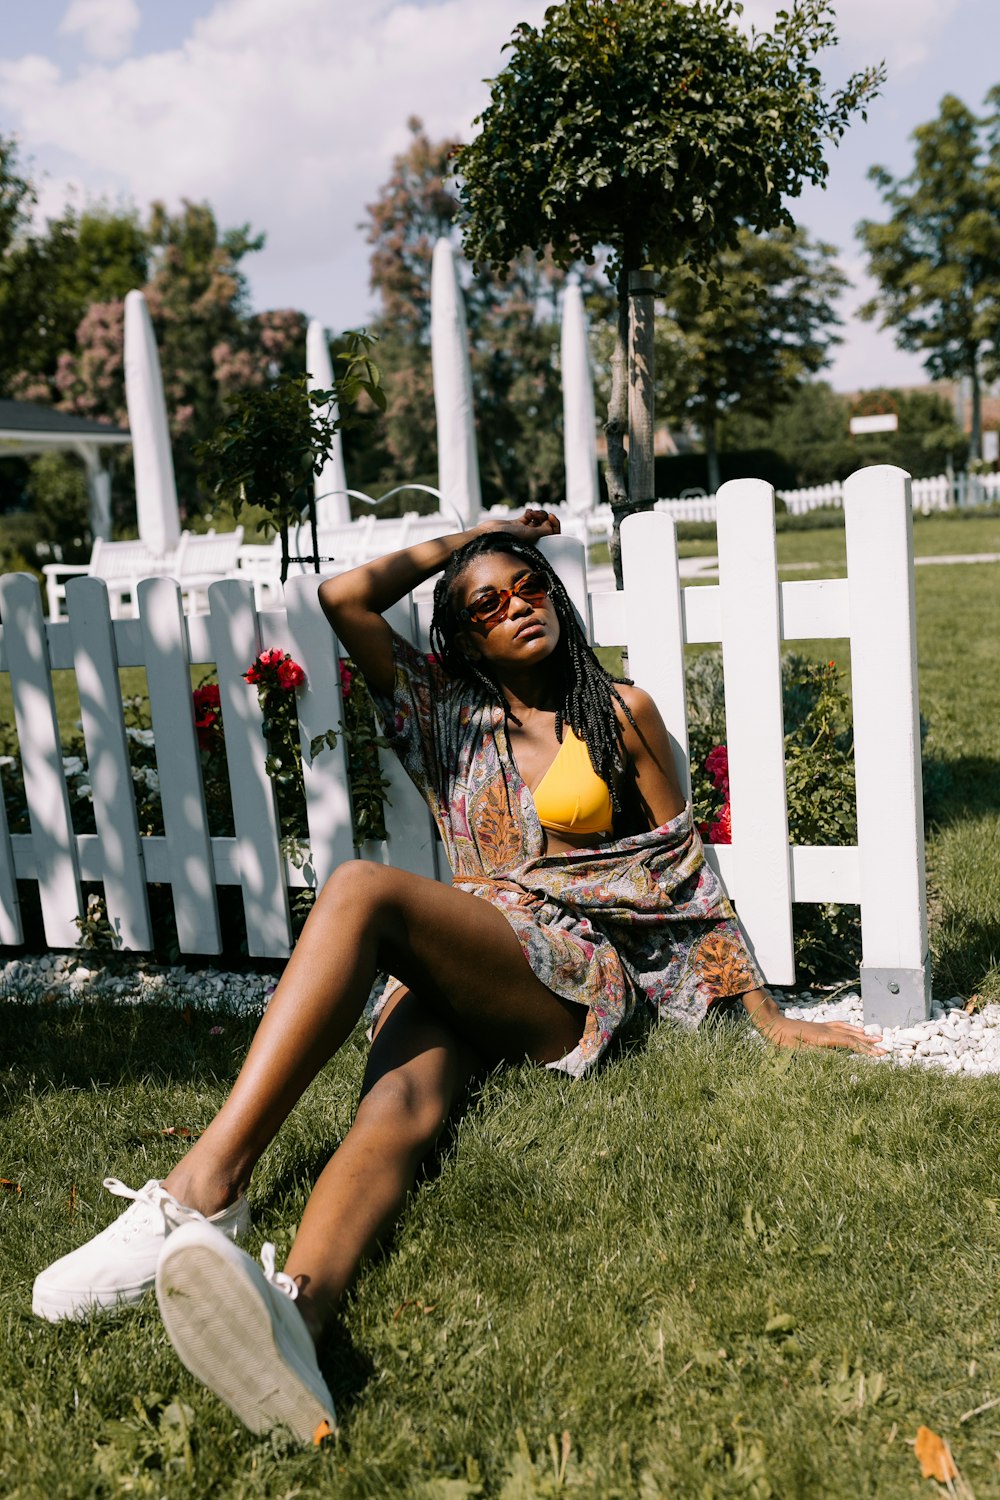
<point>182,795</point>
<point>654,625</point>
<point>235,634</point>
<point>895,968</point>
<point>755,731</point>
<point>95,661</point>
<point>53,840</point>
<point>320,707</point>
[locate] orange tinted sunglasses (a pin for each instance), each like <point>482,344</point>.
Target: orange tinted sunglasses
<point>493,606</point>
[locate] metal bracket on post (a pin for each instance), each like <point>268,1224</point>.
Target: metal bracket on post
<point>896,997</point>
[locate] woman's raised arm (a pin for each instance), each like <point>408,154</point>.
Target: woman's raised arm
<point>354,602</point>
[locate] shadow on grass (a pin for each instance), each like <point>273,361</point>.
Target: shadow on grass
<point>967,786</point>
<point>104,1044</point>
<point>967,956</point>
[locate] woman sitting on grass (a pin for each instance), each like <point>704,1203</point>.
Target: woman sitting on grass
<point>580,895</point>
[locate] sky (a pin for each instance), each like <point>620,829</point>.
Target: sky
<point>287,116</point>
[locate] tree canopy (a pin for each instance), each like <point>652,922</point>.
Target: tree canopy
<point>654,132</point>
<point>937,256</point>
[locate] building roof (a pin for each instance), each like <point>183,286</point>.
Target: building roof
<point>30,422</point>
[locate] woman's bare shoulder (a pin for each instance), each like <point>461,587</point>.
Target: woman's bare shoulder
<point>640,705</point>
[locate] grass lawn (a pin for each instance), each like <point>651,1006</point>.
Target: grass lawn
<point>721,1271</point>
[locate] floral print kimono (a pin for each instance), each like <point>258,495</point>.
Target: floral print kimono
<point>638,920</point>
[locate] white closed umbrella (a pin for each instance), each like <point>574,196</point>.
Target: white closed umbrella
<point>155,486</point>
<point>333,507</point>
<point>458,462</point>
<point>579,420</point>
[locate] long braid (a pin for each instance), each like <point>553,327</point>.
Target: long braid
<point>589,692</point>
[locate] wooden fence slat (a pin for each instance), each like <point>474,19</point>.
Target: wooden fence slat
<point>41,758</point>
<point>109,767</point>
<point>236,640</point>
<point>11,926</point>
<point>895,969</point>
<point>751,654</point>
<point>191,872</point>
<point>412,842</point>
<point>568,556</point>
<point>654,631</point>
<point>320,706</point>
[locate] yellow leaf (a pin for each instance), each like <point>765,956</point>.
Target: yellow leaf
<point>935,1457</point>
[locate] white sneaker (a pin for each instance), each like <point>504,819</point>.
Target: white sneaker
<point>235,1326</point>
<point>119,1264</point>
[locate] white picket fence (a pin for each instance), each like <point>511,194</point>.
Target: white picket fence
<point>749,611</point>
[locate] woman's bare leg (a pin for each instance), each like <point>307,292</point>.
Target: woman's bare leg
<point>456,951</point>
<point>417,1070</point>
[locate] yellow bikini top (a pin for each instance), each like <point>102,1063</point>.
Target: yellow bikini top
<point>571,797</point>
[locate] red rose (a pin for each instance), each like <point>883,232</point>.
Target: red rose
<point>346,678</point>
<point>290,674</point>
<point>721,831</point>
<point>272,658</point>
<point>207,696</point>
<point>252,674</point>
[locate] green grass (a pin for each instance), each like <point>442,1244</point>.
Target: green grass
<point>601,1259</point>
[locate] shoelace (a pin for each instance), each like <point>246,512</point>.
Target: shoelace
<point>276,1278</point>
<point>145,1201</point>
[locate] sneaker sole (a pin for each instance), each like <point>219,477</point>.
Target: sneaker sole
<point>58,1307</point>
<point>222,1331</point>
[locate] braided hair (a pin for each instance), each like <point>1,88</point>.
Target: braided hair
<point>587,693</point>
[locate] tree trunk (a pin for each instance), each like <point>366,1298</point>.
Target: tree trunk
<point>616,426</point>
<point>641,472</point>
<point>976,433</point>
<point>710,433</point>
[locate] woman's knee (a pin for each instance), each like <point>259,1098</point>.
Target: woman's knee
<point>359,886</point>
<point>409,1109</point>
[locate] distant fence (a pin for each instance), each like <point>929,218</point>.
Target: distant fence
<point>749,611</point>
<point>960,491</point>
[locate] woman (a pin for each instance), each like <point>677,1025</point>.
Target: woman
<point>579,892</point>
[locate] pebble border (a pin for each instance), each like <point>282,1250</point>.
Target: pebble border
<point>952,1040</point>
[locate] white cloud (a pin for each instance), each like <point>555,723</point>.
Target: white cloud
<point>285,116</point>
<point>105,27</point>
<point>902,32</point>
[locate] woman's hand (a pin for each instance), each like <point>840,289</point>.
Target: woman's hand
<point>785,1032</point>
<point>527,528</point>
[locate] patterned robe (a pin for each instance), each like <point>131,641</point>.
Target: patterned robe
<point>638,920</point>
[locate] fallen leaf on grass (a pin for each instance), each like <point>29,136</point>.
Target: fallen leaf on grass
<point>935,1457</point>
<point>10,1186</point>
<point>183,1132</point>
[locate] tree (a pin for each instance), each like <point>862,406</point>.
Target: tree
<point>656,132</point>
<point>811,431</point>
<point>748,337</point>
<point>48,281</point>
<point>16,194</point>
<point>937,257</point>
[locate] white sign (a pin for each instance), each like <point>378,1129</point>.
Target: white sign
<point>887,422</point>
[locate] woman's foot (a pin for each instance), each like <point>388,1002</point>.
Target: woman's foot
<point>118,1265</point>
<point>235,1326</point>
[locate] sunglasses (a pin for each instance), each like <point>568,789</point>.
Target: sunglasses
<point>494,605</point>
